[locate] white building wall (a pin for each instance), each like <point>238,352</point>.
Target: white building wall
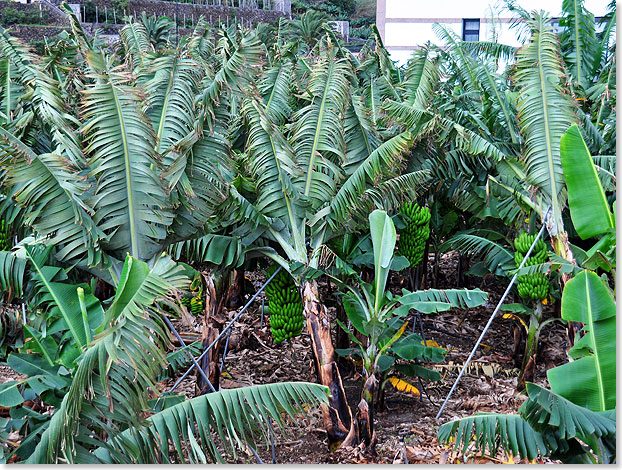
<point>476,8</point>
<point>406,24</point>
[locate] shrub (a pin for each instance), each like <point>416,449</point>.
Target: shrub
<point>11,16</point>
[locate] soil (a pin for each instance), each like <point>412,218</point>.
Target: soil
<point>7,374</point>
<point>406,430</point>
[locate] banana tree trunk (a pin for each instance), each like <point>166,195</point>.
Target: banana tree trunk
<point>235,291</point>
<point>342,340</point>
<point>380,400</point>
<point>216,287</point>
<point>365,415</point>
<point>562,248</point>
<point>528,368</point>
<point>336,413</point>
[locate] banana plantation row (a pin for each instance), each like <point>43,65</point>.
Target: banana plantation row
<point>140,180</point>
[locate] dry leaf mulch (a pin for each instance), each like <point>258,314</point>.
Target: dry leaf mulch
<point>407,429</point>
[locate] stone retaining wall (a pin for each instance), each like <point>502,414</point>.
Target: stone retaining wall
<point>214,13</point>
<point>30,33</point>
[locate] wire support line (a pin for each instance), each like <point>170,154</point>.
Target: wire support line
<point>494,314</point>
<point>229,325</point>
<point>183,345</point>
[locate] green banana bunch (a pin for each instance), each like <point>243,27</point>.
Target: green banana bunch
<point>5,236</point>
<point>285,306</point>
<point>533,286</point>
<point>10,331</point>
<point>536,285</point>
<point>194,302</point>
<point>196,305</point>
<point>524,241</point>
<point>417,231</point>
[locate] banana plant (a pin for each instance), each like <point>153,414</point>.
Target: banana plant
<point>590,63</point>
<point>543,116</point>
<point>155,164</point>
<point>575,421</point>
<point>144,173</point>
<point>382,318</point>
<point>316,176</point>
<point>120,365</point>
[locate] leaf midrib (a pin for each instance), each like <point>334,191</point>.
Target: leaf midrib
<point>547,131</point>
<point>297,240</point>
<point>57,302</point>
<point>167,97</point>
<point>599,377</point>
<point>128,175</point>
<point>316,137</point>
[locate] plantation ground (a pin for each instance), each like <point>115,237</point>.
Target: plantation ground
<point>408,426</point>
<point>407,429</point>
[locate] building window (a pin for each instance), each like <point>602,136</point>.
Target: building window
<point>470,30</point>
<point>555,24</point>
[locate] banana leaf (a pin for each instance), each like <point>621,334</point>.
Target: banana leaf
<point>590,379</point>
<point>589,209</point>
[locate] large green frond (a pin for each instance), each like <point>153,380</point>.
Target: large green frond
<point>46,97</point>
<point>496,91</point>
<point>421,79</point>
<point>10,89</point>
<point>587,300</point>
<point>456,298</point>
<point>173,114</point>
<point>423,123</point>
<point>12,271</point>
<point>135,39</point>
<point>494,50</point>
<point>129,201</point>
<point>235,71</point>
<point>276,90</point>
<point>545,410</point>
<point>53,190</point>
<point>388,195</point>
<point>385,160</point>
<point>360,132</point>
<point>171,94</point>
<point>209,170</point>
<point>578,39</point>
<point>544,111</point>
<point>317,134</point>
<point>219,250</point>
<point>59,299</point>
<point>493,431</point>
<point>232,417</point>
<point>114,375</point>
<point>463,62</point>
<point>482,243</point>
<point>274,167</point>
